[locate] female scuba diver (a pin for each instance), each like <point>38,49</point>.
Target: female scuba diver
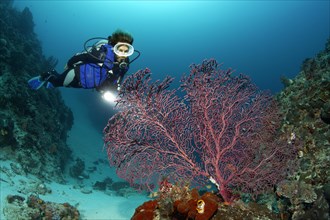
<point>101,67</point>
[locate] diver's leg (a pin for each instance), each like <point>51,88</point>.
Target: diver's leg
<point>37,82</point>
<point>52,79</point>
<point>67,79</point>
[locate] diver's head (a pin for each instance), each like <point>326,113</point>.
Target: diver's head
<point>120,36</point>
<point>122,46</point>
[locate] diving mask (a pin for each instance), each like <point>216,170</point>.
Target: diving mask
<point>123,49</point>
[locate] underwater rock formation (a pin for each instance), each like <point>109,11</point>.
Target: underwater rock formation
<point>33,125</point>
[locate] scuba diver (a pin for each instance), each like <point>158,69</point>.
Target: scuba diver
<point>102,66</point>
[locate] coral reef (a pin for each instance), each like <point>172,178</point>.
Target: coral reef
<point>304,202</point>
<point>33,125</point>
<point>304,104</point>
<point>34,208</point>
<point>179,202</point>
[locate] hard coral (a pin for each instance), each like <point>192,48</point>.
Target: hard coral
<point>35,208</point>
<point>296,191</point>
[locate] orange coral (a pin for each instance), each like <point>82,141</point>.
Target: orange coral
<point>186,207</point>
<point>179,203</point>
<point>144,215</point>
<point>210,206</point>
<point>190,208</point>
<point>194,193</point>
<point>146,211</point>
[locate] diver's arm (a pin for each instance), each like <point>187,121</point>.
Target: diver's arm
<point>92,57</point>
<point>82,58</point>
<point>121,77</point>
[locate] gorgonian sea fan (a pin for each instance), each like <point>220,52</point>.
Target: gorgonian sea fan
<point>223,130</point>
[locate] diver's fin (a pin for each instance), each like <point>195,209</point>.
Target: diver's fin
<point>50,85</point>
<point>36,83</point>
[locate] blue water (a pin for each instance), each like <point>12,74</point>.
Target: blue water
<point>263,39</point>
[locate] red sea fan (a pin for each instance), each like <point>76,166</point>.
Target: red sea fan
<point>223,130</point>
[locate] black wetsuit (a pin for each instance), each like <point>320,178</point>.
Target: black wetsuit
<point>113,78</point>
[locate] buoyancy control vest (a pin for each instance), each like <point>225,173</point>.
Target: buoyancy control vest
<point>93,75</point>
